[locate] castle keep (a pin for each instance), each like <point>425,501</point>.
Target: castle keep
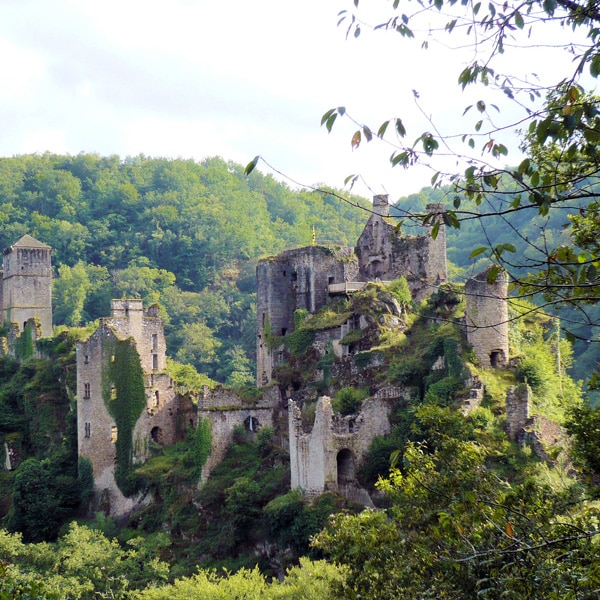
<point>308,278</point>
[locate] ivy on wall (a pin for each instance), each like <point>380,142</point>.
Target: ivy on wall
<point>124,395</point>
<point>24,347</point>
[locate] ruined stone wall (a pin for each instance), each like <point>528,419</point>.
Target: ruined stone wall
<point>383,254</point>
<point>517,410</point>
<point>27,284</point>
<point>295,279</point>
<point>337,445</point>
<point>224,410</point>
<point>487,318</point>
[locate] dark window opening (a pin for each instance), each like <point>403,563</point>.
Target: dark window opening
<point>156,435</point>
<point>88,430</point>
<point>345,467</point>
<point>284,273</point>
<point>154,341</point>
<point>251,424</point>
<point>294,276</point>
<point>155,361</point>
<point>283,330</point>
<point>86,391</point>
<point>331,280</point>
<point>86,360</point>
<point>156,398</point>
<point>496,359</point>
<point>351,423</point>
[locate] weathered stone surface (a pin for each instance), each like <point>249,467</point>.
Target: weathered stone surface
<point>487,318</point>
<point>327,458</point>
<point>96,428</point>
<point>26,290</point>
<point>224,409</point>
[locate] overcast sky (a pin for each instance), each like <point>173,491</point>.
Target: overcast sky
<point>198,78</point>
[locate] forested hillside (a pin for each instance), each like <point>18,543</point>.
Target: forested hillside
<point>178,232</point>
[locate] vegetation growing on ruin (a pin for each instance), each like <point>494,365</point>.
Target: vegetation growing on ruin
<point>124,395</point>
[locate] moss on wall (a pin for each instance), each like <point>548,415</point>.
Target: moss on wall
<point>124,395</point>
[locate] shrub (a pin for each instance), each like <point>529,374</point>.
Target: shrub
<point>348,400</point>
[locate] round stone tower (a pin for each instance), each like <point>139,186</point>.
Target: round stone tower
<point>487,318</point>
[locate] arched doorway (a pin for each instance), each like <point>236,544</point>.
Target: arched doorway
<point>345,467</point>
<point>156,435</point>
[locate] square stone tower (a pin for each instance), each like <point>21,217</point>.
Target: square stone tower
<point>27,284</point>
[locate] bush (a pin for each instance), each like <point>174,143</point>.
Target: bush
<point>348,400</point>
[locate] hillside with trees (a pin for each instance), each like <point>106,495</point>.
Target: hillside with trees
<point>177,232</point>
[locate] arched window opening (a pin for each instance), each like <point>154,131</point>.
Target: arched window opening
<point>251,424</point>
<point>345,467</point>
<point>156,435</point>
<point>497,359</point>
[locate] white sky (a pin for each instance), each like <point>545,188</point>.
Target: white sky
<point>198,78</point>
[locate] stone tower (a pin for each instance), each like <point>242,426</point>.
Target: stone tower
<point>97,431</point>
<point>487,318</point>
<point>295,279</point>
<point>27,284</point>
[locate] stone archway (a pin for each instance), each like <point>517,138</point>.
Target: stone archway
<point>157,435</point>
<point>345,467</point>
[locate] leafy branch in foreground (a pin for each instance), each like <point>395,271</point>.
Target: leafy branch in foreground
<point>556,120</point>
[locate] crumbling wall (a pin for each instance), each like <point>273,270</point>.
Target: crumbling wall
<point>295,279</point>
<point>517,410</point>
<point>328,457</point>
<point>225,410</point>
<point>383,254</point>
<point>158,422</point>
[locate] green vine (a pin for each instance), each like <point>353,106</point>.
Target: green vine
<point>124,395</point>
<point>24,346</point>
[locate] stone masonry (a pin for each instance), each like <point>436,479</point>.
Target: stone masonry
<point>96,429</point>
<point>328,457</point>
<point>307,278</point>
<point>225,410</point>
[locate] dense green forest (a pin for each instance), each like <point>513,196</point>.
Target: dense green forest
<point>188,234</point>
<point>178,232</point>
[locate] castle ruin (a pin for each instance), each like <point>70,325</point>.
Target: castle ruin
<point>309,278</point>
<point>97,430</point>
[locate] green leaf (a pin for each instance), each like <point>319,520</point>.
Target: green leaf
<point>481,106</point>
<point>400,129</point>
<point>367,133</point>
<point>595,65</point>
<point>382,129</point>
<point>493,274</point>
<point>519,19</point>
<point>478,251</point>
<point>435,230</point>
<point>251,165</point>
